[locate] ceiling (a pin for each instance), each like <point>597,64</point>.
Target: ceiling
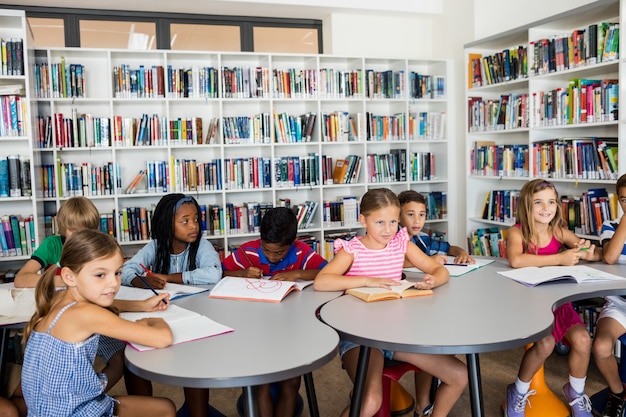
<point>311,9</point>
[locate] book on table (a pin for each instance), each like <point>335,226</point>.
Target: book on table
<point>255,289</point>
<point>455,270</point>
<point>17,305</point>
<point>404,290</point>
<point>535,275</point>
<point>175,290</point>
<point>186,325</point>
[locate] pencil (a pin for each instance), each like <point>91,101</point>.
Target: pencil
<point>149,272</point>
<point>149,287</point>
<point>245,255</point>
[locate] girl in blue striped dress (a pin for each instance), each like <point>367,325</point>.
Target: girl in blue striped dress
<point>58,378</point>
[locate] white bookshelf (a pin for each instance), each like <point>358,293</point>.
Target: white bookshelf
<point>100,101</point>
<point>562,24</point>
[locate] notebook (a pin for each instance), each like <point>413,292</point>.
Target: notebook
<point>256,289</point>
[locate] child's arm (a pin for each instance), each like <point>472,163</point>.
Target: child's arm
<point>208,267</point>
<point>332,278</point>
<point>518,258</point>
<point>460,255</point>
<point>611,249</point>
<point>436,274</point>
<point>296,274</point>
<point>87,319</point>
<point>132,267</point>
<point>28,276</point>
<point>154,303</point>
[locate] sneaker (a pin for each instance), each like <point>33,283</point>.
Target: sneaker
<point>428,410</point>
<point>614,406</point>
<point>516,402</point>
<point>578,402</point>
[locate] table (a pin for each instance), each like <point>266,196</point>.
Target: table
<point>481,311</point>
<point>271,342</point>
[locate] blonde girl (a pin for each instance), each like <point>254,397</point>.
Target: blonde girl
<point>58,378</point>
<point>541,239</point>
<point>376,260</point>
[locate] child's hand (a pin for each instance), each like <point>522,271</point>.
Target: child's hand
<point>571,256</point>
<point>287,276</point>
<point>155,303</point>
<point>464,258</point>
<point>156,281</point>
<point>381,283</point>
<point>427,284</point>
<point>253,272</point>
<point>440,259</point>
<point>587,252</point>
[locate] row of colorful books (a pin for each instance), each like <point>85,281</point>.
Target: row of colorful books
<point>345,171</point>
<point>422,166</point>
<point>510,64</point>
<point>581,101</point>
<point>387,167</point>
<point>586,213</point>
<point>511,111</point>
<point>12,56</point>
<point>501,206</point>
<point>12,115</point>
<point>15,176</point>
<point>294,83</point>
<point>18,236</point>
<point>491,160</point>
<point>580,158</point>
<point>59,80</point>
<point>488,241</point>
<point>591,45</point>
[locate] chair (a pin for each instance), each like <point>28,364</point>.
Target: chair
<point>395,398</point>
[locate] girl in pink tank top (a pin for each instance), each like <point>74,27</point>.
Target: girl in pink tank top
<point>376,260</point>
<point>540,239</point>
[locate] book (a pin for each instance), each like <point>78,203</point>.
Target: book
<point>176,291</point>
<point>340,170</point>
<point>253,289</point>
<point>404,290</point>
<point>186,325</point>
<point>533,275</point>
<point>17,305</point>
<point>455,270</point>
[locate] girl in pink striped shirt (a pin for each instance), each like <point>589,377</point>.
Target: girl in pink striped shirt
<point>376,260</point>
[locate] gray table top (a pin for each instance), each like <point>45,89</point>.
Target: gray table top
<point>481,311</point>
<point>270,342</point>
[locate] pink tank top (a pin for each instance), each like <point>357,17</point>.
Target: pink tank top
<point>551,248</point>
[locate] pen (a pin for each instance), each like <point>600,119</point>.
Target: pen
<point>456,264</point>
<point>245,255</point>
<point>149,286</point>
<point>583,248</point>
<point>146,269</point>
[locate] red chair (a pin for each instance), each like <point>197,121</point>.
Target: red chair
<point>395,398</point>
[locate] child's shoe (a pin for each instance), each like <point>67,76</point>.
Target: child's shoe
<point>578,402</point>
<point>516,402</point>
<point>614,406</point>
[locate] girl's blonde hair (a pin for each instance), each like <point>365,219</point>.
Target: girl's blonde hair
<point>376,199</point>
<point>81,248</point>
<point>77,213</point>
<point>524,214</point>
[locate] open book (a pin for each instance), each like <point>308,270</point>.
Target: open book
<point>255,289</point>
<point>17,305</point>
<point>455,270</point>
<point>404,290</point>
<point>186,325</point>
<point>534,275</point>
<point>175,290</point>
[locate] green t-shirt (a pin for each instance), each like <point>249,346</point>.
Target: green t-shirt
<point>49,252</point>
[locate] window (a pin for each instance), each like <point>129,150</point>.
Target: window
<point>289,40</point>
<point>192,37</point>
<point>47,32</point>
<point>117,34</point>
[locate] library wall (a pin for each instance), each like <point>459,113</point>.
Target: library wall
<point>377,36</point>
<point>488,20</point>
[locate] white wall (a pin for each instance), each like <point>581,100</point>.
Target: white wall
<point>377,36</point>
<point>495,16</point>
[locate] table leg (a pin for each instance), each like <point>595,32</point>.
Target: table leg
<point>310,395</point>
<point>250,405</point>
<point>359,381</point>
<point>475,386</point>
<point>4,347</point>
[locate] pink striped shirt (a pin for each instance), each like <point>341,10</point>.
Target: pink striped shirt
<point>380,263</point>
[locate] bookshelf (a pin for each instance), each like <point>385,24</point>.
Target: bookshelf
<point>261,116</point>
<point>548,119</point>
<point>16,152</point>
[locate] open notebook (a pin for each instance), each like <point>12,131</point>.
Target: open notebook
<point>455,270</point>
<point>255,289</point>
<point>535,275</point>
<point>175,290</point>
<point>17,305</point>
<point>186,325</point>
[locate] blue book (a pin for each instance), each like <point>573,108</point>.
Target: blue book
<point>4,178</point>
